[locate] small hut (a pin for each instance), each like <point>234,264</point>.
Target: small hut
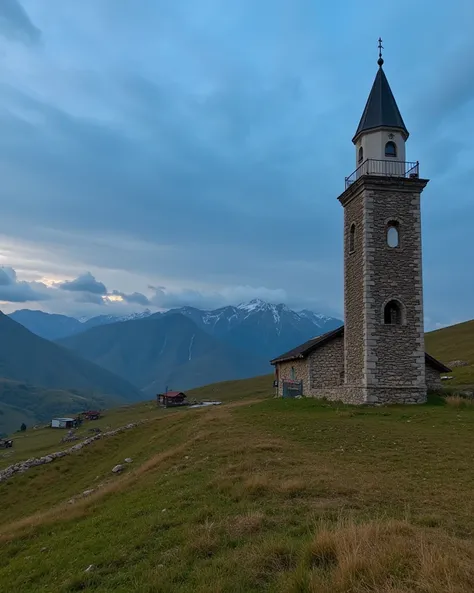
<point>63,423</point>
<point>171,399</point>
<point>91,415</point>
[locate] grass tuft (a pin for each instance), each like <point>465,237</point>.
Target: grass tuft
<point>247,524</point>
<point>257,485</point>
<point>457,401</point>
<point>387,556</point>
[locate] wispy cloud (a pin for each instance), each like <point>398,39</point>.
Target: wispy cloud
<point>15,23</point>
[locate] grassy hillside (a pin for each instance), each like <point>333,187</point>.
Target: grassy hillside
<point>23,402</point>
<point>163,351</point>
<point>47,325</point>
<point>26,357</point>
<point>258,494</point>
<point>454,343</point>
<point>41,441</point>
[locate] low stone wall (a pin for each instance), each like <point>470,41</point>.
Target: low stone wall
<point>396,395</point>
<point>344,394</point>
<point>23,466</point>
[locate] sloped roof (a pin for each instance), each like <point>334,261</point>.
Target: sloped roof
<point>303,350</point>
<point>173,394</point>
<point>381,110</point>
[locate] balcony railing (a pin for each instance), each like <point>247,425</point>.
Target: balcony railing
<point>384,168</point>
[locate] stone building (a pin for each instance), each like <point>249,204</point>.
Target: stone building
<point>378,356</point>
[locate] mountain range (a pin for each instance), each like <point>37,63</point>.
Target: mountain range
<point>127,358</point>
<point>264,328</point>
<point>165,351</point>
<point>54,327</point>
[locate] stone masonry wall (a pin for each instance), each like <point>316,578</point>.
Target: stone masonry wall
<point>301,374</point>
<point>392,356</point>
<point>326,365</point>
<point>354,292</point>
<point>395,360</point>
<point>23,466</point>
<point>322,373</point>
<point>433,378</point>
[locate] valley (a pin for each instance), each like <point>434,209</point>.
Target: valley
<point>121,361</point>
<point>138,355</point>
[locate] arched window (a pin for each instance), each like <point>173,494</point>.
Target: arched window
<point>352,233</point>
<point>361,154</point>
<point>393,238</point>
<point>392,314</point>
<point>391,149</point>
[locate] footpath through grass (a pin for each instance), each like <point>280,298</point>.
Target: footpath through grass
<point>38,442</point>
<point>273,495</point>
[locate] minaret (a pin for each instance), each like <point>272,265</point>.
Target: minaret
<point>383,294</point>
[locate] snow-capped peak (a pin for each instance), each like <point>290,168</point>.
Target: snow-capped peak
<point>316,318</point>
<point>140,315</point>
<point>253,305</point>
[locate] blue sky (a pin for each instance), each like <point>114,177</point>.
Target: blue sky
<point>157,153</point>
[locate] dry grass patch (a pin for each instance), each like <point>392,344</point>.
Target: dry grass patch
<point>204,540</point>
<point>457,401</point>
<point>247,524</point>
<point>386,557</point>
<point>272,447</point>
<point>83,505</point>
<point>293,487</point>
<point>257,485</point>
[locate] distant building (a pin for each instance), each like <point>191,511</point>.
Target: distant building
<point>379,355</point>
<point>90,415</point>
<point>63,423</point>
<point>171,398</point>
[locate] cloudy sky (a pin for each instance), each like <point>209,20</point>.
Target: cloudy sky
<point>157,153</point>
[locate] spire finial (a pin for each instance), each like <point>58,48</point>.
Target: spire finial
<point>380,60</point>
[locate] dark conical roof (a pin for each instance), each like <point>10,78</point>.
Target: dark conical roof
<point>381,110</point>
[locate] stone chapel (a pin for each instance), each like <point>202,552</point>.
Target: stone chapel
<point>378,356</point>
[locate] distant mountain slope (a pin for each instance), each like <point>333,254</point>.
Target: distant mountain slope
<point>259,327</point>
<point>166,350</point>
<point>47,325</point>
<point>54,327</point>
<point>28,358</point>
<point>452,344</point>
<point>23,402</point>
<point>107,319</point>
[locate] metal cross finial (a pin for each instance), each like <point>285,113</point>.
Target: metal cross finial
<point>380,60</point>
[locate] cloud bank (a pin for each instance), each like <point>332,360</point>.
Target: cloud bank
<point>180,145</point>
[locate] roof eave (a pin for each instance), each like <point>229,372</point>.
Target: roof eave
<point>438,365</point>
<point>288,359</point>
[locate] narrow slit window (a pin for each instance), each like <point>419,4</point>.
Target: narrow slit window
<point>393,313</point>
<point>393,234</point>
<point>391,149</point>
<point>293,373</point>
<point>361,154</point>
<point>352,238</point>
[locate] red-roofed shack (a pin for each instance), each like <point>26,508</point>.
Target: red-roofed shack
<point>91,414</point>
<point>171,398</point>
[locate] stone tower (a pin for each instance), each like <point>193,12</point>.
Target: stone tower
<point>384,356</point>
